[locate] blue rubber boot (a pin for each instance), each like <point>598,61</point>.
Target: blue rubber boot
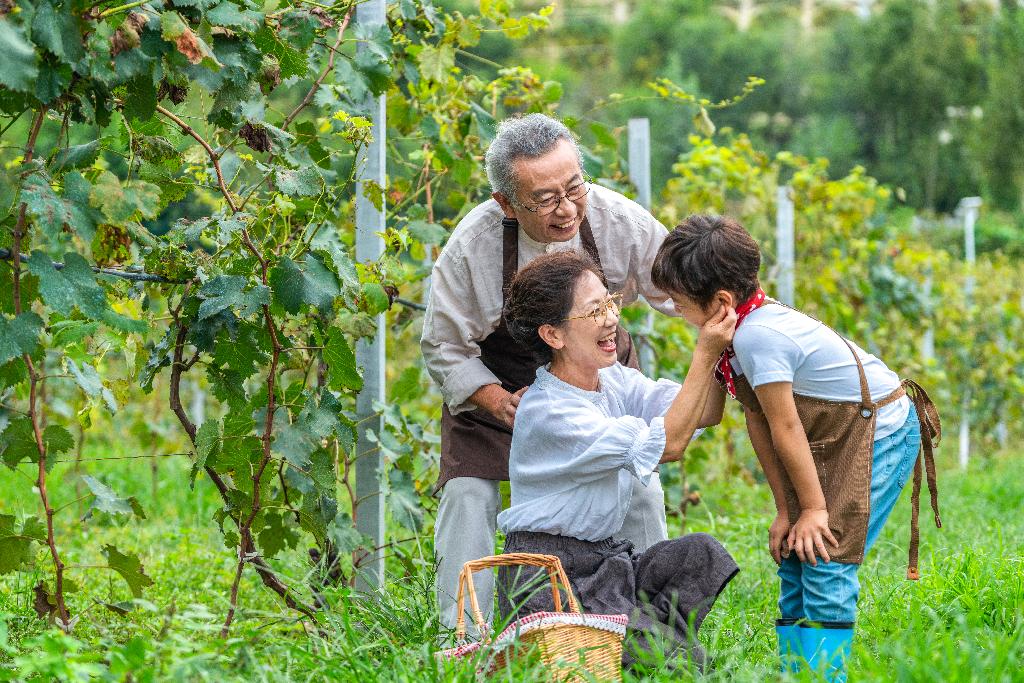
<point>791,651</point>
<point>826,645</point>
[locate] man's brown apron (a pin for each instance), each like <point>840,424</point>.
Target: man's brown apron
<point>475,443</point>
<point>841,436</point>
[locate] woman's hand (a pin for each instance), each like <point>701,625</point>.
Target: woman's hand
<point>777,534</point>
<point>717,332</point>
<point>808,536</point>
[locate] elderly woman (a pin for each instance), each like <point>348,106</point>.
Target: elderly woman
<point>587,428</point>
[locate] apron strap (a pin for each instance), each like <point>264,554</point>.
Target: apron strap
<point>867,407</point>
<point>588,242</point>
<point>509,255</point>
<point>866,404</point>
<point>931,434</point>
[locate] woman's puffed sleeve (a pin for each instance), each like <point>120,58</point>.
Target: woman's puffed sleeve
<point>641,395</point>
<point>646,453</point>
<point>582,444</point>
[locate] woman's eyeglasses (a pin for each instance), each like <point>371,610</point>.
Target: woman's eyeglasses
<point>551,204</point>
<point>599,315</point>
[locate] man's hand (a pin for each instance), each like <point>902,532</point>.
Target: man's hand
<point>777,535</point>
<point>506,409</point>
<point>808,536</point>
<point>498,402</point>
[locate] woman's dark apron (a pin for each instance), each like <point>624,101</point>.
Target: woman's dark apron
<point>841,435</point>
<point>474,443</point>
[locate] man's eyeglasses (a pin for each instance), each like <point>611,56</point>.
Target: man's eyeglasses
<point>550,204</point>
<point>599,315</point>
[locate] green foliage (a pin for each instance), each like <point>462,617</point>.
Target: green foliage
<point>205,154</point>
<point>968,601</point>
<point>857,272</point>
<point>16,541</point>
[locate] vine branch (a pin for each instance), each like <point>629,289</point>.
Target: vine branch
<point>330,67</point>
<point>214,157</point>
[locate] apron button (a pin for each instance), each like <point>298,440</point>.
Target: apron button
<point>865,412</point>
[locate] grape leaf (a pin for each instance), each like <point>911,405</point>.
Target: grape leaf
<point>20,69</point>
<point>74,285</point>
<point>18,442</point>
<point>129,567</point>
<point>89,380</point>
<point>436,62</point>
<point>293,62</point>
<point>342,372</point>
<point>56,29</point>
<point>229,291</point>
<point>302,182</point>
<point>344,536</point>
<point>76,156</point>
<point>121,202</point>
<point>403,500</point>
<point>427,233</point>
<point>43,203</point>
<point>208,441</point>
<point>276,535</point>
<point>19,335</point>
<point>308,283</point>
<point>16,543</point>
<point>106,500</point>
<point>229,14</point>
<point>82,216</point>
<point>57,439</point>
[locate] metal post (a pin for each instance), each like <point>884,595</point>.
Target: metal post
<point>640,173</point>
<point>785,246</point>
<point>640,159</point>
<point>370,221</point>
<point>968,207</point>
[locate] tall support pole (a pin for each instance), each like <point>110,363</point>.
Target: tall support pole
<point>639,157</point>
<point>785,246</point>
<point>370,222</point>
<point>968,207</point>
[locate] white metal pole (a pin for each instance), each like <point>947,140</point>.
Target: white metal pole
<point>785,246</point>
<point>969,207</point>
<point>639,157</point>
<point>370,221</point>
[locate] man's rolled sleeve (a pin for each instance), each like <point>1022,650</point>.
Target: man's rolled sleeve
<point>463,381</point>
<point>453,324</point>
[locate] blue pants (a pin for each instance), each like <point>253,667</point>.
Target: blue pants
<point>828,592</point>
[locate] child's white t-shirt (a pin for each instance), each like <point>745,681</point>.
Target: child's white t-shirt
<point>778,344</point>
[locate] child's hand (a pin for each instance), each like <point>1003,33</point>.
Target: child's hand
<point>777,534</point>
<point>716,333</point>
<point>808,536</point>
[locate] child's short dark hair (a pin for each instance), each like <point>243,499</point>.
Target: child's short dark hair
<point>542,293</point>
<point>705,254</point>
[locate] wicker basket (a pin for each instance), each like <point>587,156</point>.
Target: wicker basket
<point>571,645</point>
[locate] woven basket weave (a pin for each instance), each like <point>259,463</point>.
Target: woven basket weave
<point>571,645</point>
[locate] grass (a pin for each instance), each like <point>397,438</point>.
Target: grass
<point>961,622</point>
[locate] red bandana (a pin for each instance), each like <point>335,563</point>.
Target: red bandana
<point>723,371</point>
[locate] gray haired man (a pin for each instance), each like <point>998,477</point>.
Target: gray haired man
<point>542,202</point>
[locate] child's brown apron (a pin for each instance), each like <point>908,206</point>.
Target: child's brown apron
<point>841,438</point>
<point>474,443</point>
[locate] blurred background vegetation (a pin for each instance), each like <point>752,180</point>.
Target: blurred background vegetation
<point>928,96</point>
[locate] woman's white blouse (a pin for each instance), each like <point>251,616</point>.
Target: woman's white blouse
<point>575,452</point>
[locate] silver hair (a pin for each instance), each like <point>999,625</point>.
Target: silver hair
<point>529,136</point>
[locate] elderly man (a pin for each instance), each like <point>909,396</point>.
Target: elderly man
<point>542,202</point>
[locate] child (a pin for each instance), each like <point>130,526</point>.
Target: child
<point>832,426</point>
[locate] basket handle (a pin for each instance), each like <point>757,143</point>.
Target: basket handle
<point>550,562</point>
